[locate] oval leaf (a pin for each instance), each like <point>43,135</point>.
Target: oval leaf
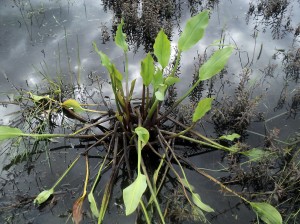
<point>93,205</point>
<point>230,137</point>
<point>215,63</point>
<point>162,49</point>
<point>197,200</point>
<point>256,154</point>
<point>73,104</point>
<point>193,31</point>
<point>202,108</point>
<point>160,93</point>
<point>133,194</point>
<point>172,80</point>
<point>7,132</point>
<point>43,196</point>
<point>120,38</point>
<point>147,70</point>
<point>143,135</point>
<point>266,212</point>
<point>77,210</point>
<point>158,79</point>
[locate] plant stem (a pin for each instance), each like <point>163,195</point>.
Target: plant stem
<point>65,173</point>
<point>179,101</point>
<point>152,110</point>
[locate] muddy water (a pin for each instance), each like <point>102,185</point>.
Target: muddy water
<point>47,36</point>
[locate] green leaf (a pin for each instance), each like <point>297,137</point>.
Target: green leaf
<point>215,63</point>
<point>93,204</point>
<point>256,154</point>
<point>160,93</point>
<point>267,212</point>
<point>143,135</point>
<point>37,98</point>
<point>202,108</point>
<point>230,137</point>
<point>193,31</point>
<point>7,132</point>
<point>147,70</point>
<point>105,61</point>
<point>171,80</point>
<point>43,196</point>
<point>133,194</point>
<point>162,49</point>
<point>158,79</point>
<point>73,104</point>
<point>120,38</point>
<point>132,88</point>
<point>197,200</point>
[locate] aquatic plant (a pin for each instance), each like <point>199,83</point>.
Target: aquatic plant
<point>139,130</point>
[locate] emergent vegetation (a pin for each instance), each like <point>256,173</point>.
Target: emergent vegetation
<point>139,129</point>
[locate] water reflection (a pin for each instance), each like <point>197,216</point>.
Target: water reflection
<point>273,14</point>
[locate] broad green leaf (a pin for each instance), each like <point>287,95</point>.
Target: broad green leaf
<point>143,135</point>
<point>196,197</point>
<point>116,73</point>
<point>202,108</point>
<point>162,49</point>
<point>133,194</point>
<point>215,63</point>
<point>7,132</point>
<point>193,31</point>
<point>267,212</point>
<point>147,70</point>
<point>230,137</point>
<point>73,104</point>
<point>160,93</point>
<point>197,200</point>
<point>198,215</point>
<point>93,204</point>
<point>120,38</point>
<point>256,154</point>
<point>158,79</point>
<point>171,80</point>
<point>43,196</point>
<point>105,61</point>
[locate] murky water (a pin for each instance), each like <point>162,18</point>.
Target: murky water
<point>50,36</point>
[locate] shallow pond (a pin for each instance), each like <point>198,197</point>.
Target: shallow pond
<point>41,40</point>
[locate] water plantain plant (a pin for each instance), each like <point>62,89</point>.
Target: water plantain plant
<point>141,128</point>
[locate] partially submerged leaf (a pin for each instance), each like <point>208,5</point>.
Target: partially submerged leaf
<point>147,69</point>
<point>43,196</point>
<point>202,108</point>
<point>267,212</point>
<point>230,137</point>
<point>162,49</point>
<point>133,194</point>
<point>197,200</point>
<point>256,154</point>
<point>193,31</point>
<point>215,63</point>
<point>73,104</point>
<point>77,210</point>
<point>93,204</point>
<point>7,132</point>
<point>120,38</point>
<point>143,135</point>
